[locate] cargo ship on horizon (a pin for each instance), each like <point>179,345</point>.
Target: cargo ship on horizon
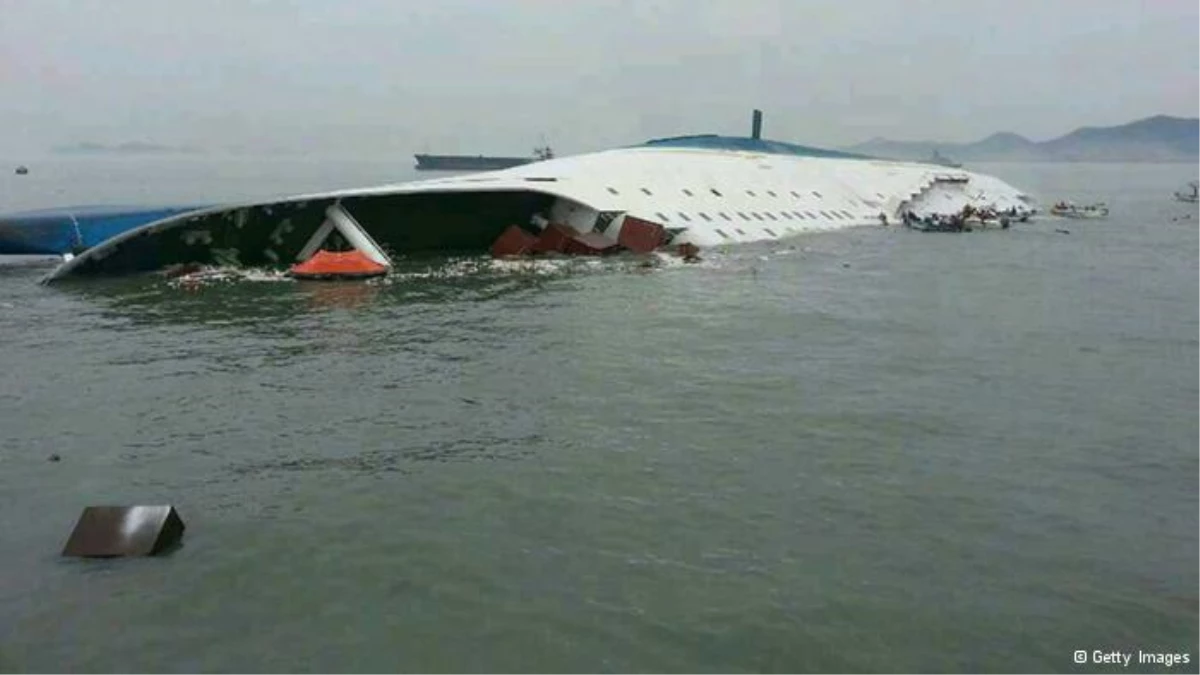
<point>478,162</point>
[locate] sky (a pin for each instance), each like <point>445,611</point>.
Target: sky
<point>375,77</point>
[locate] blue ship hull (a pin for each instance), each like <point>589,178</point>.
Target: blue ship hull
<point>73,229</point>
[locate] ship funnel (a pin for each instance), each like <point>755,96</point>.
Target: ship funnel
<point>756,125</point>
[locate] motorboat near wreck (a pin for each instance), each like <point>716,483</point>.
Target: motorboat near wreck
<point>1072,210</point>
<point>681,194</point>
<point>74,229</point>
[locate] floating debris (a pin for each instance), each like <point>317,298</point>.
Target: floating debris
<point>124,531</point>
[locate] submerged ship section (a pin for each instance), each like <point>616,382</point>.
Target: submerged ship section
<point>73,229</point>
<point>683,194</point>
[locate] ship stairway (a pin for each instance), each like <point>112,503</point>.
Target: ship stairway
<point>916,192</point>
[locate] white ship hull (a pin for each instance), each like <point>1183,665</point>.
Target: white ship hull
<point>705,191</point>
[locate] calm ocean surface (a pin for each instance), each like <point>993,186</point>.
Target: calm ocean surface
<point>867,450</point>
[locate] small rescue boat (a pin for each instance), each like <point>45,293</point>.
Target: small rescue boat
<point>1193,196</point>
<point>1070,210</point>
<point>334,266</point>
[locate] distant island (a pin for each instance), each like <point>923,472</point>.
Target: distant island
<point>128,148</point>
<point>1154,139</point>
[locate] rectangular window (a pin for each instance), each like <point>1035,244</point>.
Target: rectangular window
<point>816,194</point>
<point>739,231</point>
<point>647,191</point>
<point>724,215</point>
<point>770,231</point>
<point>604,220</point>
<point>756,216</point>
<point>684,216</point>
<point>688,192</point>
<point>704,216</point>
<point>613,191</point>
<point>663,217</point>
<point>723,235</point>
<point>770,215</point>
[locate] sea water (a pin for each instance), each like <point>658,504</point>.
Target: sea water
<point>865,450</point>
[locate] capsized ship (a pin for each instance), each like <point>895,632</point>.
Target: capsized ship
<point>478,162</point>
<point>689,191</point>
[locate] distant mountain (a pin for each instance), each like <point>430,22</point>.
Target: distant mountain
<point>128,148</point>
<point>1154,139</point>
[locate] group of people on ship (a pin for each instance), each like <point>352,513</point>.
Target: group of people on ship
<point>958,221</point>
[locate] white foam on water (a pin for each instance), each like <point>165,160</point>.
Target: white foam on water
<point>218,275</point>
<point>457,268</point>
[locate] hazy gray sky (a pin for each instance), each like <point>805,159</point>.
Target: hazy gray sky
<point>382,76</point>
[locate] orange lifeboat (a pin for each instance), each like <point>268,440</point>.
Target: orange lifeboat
<point>330,265</point>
